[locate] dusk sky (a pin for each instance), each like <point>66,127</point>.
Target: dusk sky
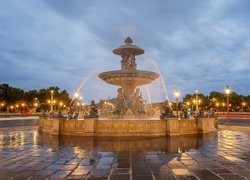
<point>195,44</point>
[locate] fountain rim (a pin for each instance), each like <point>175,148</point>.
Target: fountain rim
<point>128,47</point>
<point>128,72</point>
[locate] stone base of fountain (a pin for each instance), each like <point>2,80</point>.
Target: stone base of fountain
<point>120,127</point>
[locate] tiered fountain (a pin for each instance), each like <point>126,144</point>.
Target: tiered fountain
<point>129,107</point>
<point>129,102</point>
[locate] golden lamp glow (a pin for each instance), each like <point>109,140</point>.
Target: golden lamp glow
<point>243,104</point>
<point>2,104</point>
<point>76,95</point>
<point>11,107</point>
<point>52,92</point>
<point>35,104</point>
<point>188,103</point>
<point>23,104</point>
<point>227,90</point>
<point>60,104</point>
<point>176,93</point>
<point>223,104</point>
<point>217,104</point>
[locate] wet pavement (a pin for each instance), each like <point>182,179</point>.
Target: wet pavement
<point>26,154</point>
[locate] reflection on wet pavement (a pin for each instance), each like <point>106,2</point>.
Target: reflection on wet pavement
<point>26,154</point>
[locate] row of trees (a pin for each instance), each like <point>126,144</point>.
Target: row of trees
<point>13,99</point>
<point>217,101</point>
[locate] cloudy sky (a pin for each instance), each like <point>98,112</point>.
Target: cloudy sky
<point>194,44</point>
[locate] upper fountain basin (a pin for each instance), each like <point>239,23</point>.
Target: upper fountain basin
<point>128,49</point>
<point>128,77</point>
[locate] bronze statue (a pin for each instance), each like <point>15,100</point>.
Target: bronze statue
<point>93,111</point>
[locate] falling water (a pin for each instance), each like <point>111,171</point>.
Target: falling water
<point>86,79</point>
<point>155,65</point>
<point>149,96</point>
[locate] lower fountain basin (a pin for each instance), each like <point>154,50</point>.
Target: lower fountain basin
<point>128,77</point>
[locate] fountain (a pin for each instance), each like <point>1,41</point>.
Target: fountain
<point>129,102</point>
<point>130,117</point>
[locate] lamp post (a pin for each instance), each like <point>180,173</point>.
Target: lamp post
<point>243,105</point>
<point>197,104</point>
<point>2,105</point>
<point>76,101</point>
<point>227,91</point>
<point>177,94</point>
<point>51,100</point>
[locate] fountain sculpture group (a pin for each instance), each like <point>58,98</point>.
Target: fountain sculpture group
<point>130,115</point>
<point>129,102</point>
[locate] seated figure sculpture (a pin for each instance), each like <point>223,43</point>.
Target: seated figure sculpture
<point>93,113</point>
<point>139,105</point>
<point>167,111</point>
<point>120,107</point>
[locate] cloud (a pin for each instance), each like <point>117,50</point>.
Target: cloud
<point>197,45</point>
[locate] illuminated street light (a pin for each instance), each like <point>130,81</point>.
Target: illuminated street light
<point>177,94</point>
<point>51,100</point>
<point>76,95</point>
<point>196,100</point>
<point>227,91</point>
<point>243,105</point>
<point>2,105</point>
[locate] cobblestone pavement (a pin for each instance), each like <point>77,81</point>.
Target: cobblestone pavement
<point>26,154</point>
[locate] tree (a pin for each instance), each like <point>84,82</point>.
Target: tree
<point>9,94</point>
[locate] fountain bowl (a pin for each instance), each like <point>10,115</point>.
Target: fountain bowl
<point>129,77</point>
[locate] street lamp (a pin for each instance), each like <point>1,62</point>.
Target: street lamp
<point>217,107</point>
<point>223,105</point>
<point>76,95</point>
<point>2,105</point>
<point>243,104</point>
<point>177,94</point>
<point>51,100</point>
<point>197,104</point>
<point>60,105</point>
<point>227,91</point>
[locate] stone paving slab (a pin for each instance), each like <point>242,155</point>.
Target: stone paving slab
<point>26,154</point>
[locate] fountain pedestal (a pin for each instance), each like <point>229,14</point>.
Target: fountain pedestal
<point>129,127</point>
